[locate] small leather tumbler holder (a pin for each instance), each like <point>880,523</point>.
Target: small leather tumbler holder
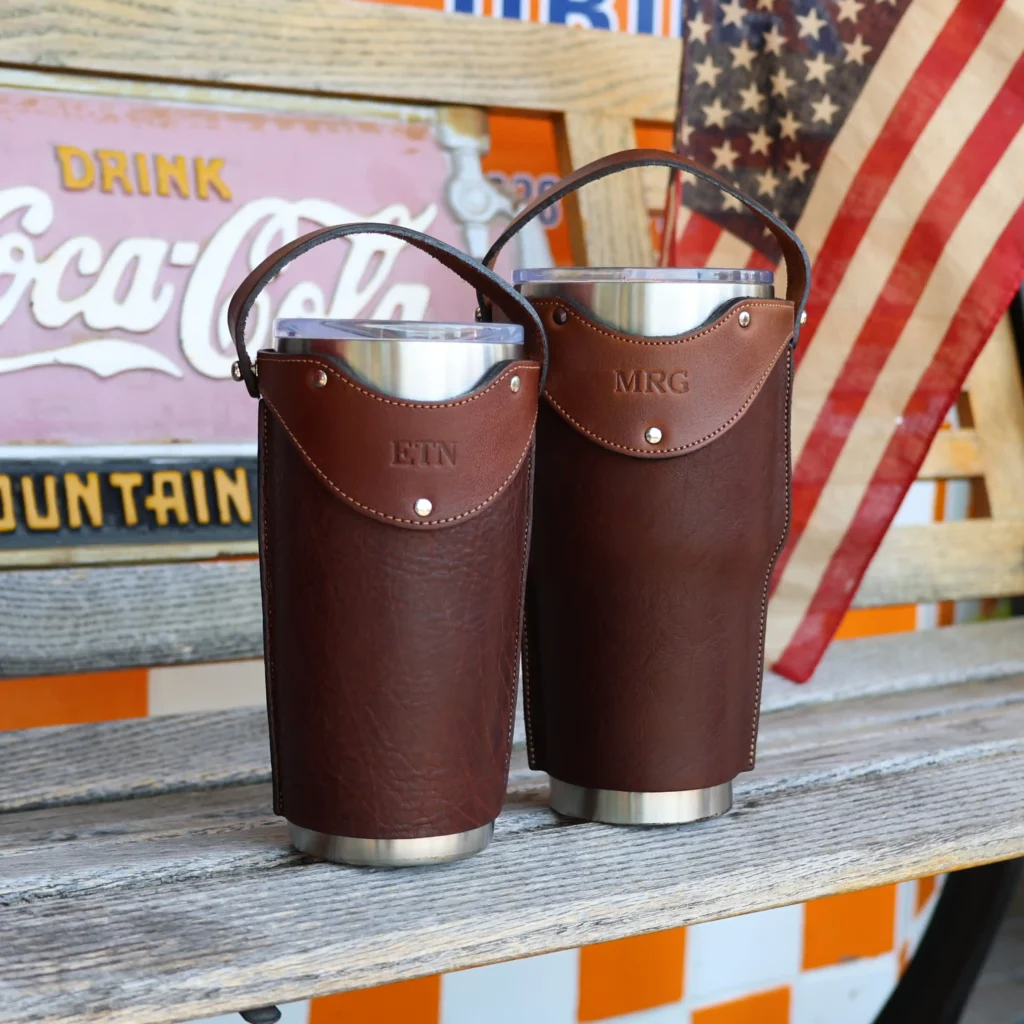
<point>392,593</point>
<point>659,514</point>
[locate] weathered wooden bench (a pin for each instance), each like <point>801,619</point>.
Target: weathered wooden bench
<point>144,877</point>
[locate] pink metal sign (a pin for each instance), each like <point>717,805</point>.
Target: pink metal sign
<point>126,223</point>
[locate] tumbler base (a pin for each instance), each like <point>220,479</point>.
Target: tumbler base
<point>616,807</point>
<point>390,853</point>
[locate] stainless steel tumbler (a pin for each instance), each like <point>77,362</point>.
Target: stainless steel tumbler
<point>421,362</point>
<point>417,362</point>
<point>648,303</point>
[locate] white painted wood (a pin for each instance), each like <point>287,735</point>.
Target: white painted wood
<point>181,689</point>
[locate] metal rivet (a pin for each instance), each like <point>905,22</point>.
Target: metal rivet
<point>319,379</point>
<point>478,315</point>
<point>653,435</point>
<point>560,315</point>
<point>515,384</point>
<point>803,316</point>
<point>236,371</point>
<point>744,318</point>
<point>423,507</point>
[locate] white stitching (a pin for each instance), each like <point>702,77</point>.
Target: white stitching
<point>520,628</point>
<point>680,338</point>
<point>683,447</point>
<point>520,366</point>
<point>383,515</point>
<point>786,454</point>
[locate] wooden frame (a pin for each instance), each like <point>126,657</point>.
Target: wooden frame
<point>173,893</point>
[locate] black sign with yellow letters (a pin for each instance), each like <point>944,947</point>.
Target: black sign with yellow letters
<point>174,506</point>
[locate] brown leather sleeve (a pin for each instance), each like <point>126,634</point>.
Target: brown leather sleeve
<point>391,650</point>
<point>650,564</point>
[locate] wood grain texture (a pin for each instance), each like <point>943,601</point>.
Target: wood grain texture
<point>953,454</point>
<point>612,213</point>
<point>946,562</point>
<point>877,665</point>
<point>182,905</point>
<point>997,405</point>
<point>348,48</point>
<point>106,761</point>
<point>78,620</point>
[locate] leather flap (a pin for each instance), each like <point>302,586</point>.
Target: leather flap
<point>614,387</point>
<point>385,455</point>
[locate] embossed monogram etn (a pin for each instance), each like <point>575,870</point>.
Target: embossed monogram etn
<point>423,453</point>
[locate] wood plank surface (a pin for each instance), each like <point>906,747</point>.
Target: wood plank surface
<point>350,48</point>
<point>610,215</point>
<point>122,616</point>
<point>946,562</point>
<point>177,753</point>
<point>181,905</point>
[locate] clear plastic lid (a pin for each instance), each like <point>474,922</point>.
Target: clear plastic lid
<point>398,330</point>
<point>595,275</point>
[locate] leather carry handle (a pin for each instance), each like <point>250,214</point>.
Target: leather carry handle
<point>798,266</point>
<point>474,273</point>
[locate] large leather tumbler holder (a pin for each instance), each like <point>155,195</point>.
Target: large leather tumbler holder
<point>653,552</point>
<point>391,638</point>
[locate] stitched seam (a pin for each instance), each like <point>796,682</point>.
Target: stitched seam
<point>522,368</point>
<point>771,565</point>
<point>678,339</point>
<point>268,654</point>
<point>519,632</point>
<point>683,447</point>
<point>383,515</point>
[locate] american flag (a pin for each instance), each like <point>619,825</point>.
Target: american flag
<point>889,134</point>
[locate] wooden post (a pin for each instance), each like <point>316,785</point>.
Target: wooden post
<point>608,219</point>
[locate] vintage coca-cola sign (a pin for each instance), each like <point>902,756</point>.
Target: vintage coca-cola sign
<point>127,221</point>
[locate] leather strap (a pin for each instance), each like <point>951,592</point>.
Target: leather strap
<point>798,267</point>
<point>515,308</point>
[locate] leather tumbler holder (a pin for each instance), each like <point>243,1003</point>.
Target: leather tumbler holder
<point>391,638</point>
<point>653,550</point>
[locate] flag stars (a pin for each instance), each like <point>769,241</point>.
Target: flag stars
<point>767,183</point>
<point>849,10</point>
<point>725,156</point>
<point>751,98</point>
<point>774,41</point>
<point>824,109</point>
<point>733,12</point>
<point>699,28</point>
<point>760,141</point>
<point>781,83</point>
<point>730,202</point>
<point>817,68</point>
<point>856,51</point>
<point>798,168</point>
<point>707,71</point>
<point>766,5</point>
<point>686,133</point>
<point>743,56</point>
<point>788,125</point>
<point>715,114</point>
<point>811,24</point>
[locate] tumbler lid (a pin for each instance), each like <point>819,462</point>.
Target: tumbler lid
<point>595,275</point>
<point>397,330</point>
